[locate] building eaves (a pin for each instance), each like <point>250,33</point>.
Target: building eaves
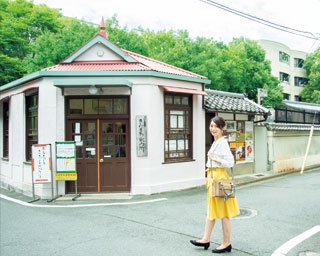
<point>232,102</point>
<point>290,127</point>
<point>306,106</point>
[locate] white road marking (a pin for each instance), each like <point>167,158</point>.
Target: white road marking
<point>78,205</point>
<point>286,247</point>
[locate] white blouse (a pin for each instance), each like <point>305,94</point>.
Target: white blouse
<point>222,152</point>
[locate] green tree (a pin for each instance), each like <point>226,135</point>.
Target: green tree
<point>21,22</point>
<point>32,36</point>
<point>241,67</point>
<point>48,50</point>
<point>10,69</point>
<point>128,40</point>
<point>311,92</point>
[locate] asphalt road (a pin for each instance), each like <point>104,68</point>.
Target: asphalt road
<point>280,216</point>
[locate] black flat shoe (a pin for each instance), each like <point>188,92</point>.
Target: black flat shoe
<point>204,245</point>
<point>227,249</point>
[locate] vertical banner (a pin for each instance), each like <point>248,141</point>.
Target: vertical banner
<point>41,163</point>
<point>66,161</point>
<point>141,135</point>
<point>249,142</point>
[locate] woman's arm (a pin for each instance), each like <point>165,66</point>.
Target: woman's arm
<point>222,155</point>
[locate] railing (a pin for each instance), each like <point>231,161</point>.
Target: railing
<point>283,115</point>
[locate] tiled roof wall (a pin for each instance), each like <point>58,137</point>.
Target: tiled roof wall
<point>235,102</point>
<point>290,127</point>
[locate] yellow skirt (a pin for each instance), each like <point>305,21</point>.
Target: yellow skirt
<point>217,208</point>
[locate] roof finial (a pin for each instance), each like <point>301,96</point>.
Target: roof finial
<point>102,31</point>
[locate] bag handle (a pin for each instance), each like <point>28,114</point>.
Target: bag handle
<point>227,195</point>
<point>232,174</point>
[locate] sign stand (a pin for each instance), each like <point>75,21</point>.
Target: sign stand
<point>66,163</point>
<point>41,167</point>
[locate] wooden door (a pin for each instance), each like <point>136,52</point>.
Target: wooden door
<point>114,152</point>
<point>103,155</point>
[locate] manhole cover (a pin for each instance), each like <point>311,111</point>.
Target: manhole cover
<point>246,213</point>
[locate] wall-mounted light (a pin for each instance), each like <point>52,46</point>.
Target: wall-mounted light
<point>93,89</point>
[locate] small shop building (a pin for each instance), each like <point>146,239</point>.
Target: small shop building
<point>138,125</point>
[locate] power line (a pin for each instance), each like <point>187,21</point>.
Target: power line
<point>306,34</point>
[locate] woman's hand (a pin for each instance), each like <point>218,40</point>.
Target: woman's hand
<point>211,155</point>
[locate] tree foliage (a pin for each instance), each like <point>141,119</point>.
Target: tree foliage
<point>21,23</point>
<point>311,92</point>
<point>51,48</point>
<point>34,37</point>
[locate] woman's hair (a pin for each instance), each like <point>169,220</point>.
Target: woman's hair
<point>219,121</point>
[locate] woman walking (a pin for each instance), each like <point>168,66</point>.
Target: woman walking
<point>219,158</point>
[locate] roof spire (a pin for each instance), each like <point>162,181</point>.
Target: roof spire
<point>103,31</point>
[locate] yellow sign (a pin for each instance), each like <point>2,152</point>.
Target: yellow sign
<point>66,161</point>
<point>65,176</point>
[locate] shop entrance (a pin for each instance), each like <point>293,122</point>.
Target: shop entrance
<point>103,154</point>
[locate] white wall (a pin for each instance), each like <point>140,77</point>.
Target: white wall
<point>15,172</point>
<point>149,173</point>
<point>261,150</point>
<point>286,150</point>
<point>272,53</point>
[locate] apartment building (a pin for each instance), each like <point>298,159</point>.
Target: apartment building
<point>286,65</point>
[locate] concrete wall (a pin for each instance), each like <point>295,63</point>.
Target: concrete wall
<point>287,149</point>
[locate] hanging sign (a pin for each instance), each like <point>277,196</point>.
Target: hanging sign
<point>41,163</point>
<point>66,161</point>
<point>141,135</point>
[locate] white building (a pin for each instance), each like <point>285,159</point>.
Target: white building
<point>286,65</point>
<point>109,120</point>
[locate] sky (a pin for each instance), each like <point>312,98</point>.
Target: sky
<point>202,19</point>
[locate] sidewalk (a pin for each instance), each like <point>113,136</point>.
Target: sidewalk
<point>241,180</point>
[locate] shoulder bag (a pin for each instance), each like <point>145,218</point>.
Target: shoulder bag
<point>224,188</point>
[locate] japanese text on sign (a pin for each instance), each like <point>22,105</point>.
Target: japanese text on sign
<point>141,128</point>
<point>41,163</point>
<point>65,161</point>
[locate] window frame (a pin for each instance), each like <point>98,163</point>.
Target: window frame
<point>298,62</point>
<point>284,57</point>
<point>31,112</point>
<point>284,77</point>
<point>93,106</point>
<point>177,133</point>
<point>300,81</point>
<point>5,127</point>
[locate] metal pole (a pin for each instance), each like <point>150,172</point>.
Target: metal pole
<point>308,145</point>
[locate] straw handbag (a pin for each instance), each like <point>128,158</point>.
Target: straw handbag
<point>224,188</point>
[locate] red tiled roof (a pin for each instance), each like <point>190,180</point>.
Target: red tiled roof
<point>161,66</point>
<point>143,64</point>
<point>98,66</point>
